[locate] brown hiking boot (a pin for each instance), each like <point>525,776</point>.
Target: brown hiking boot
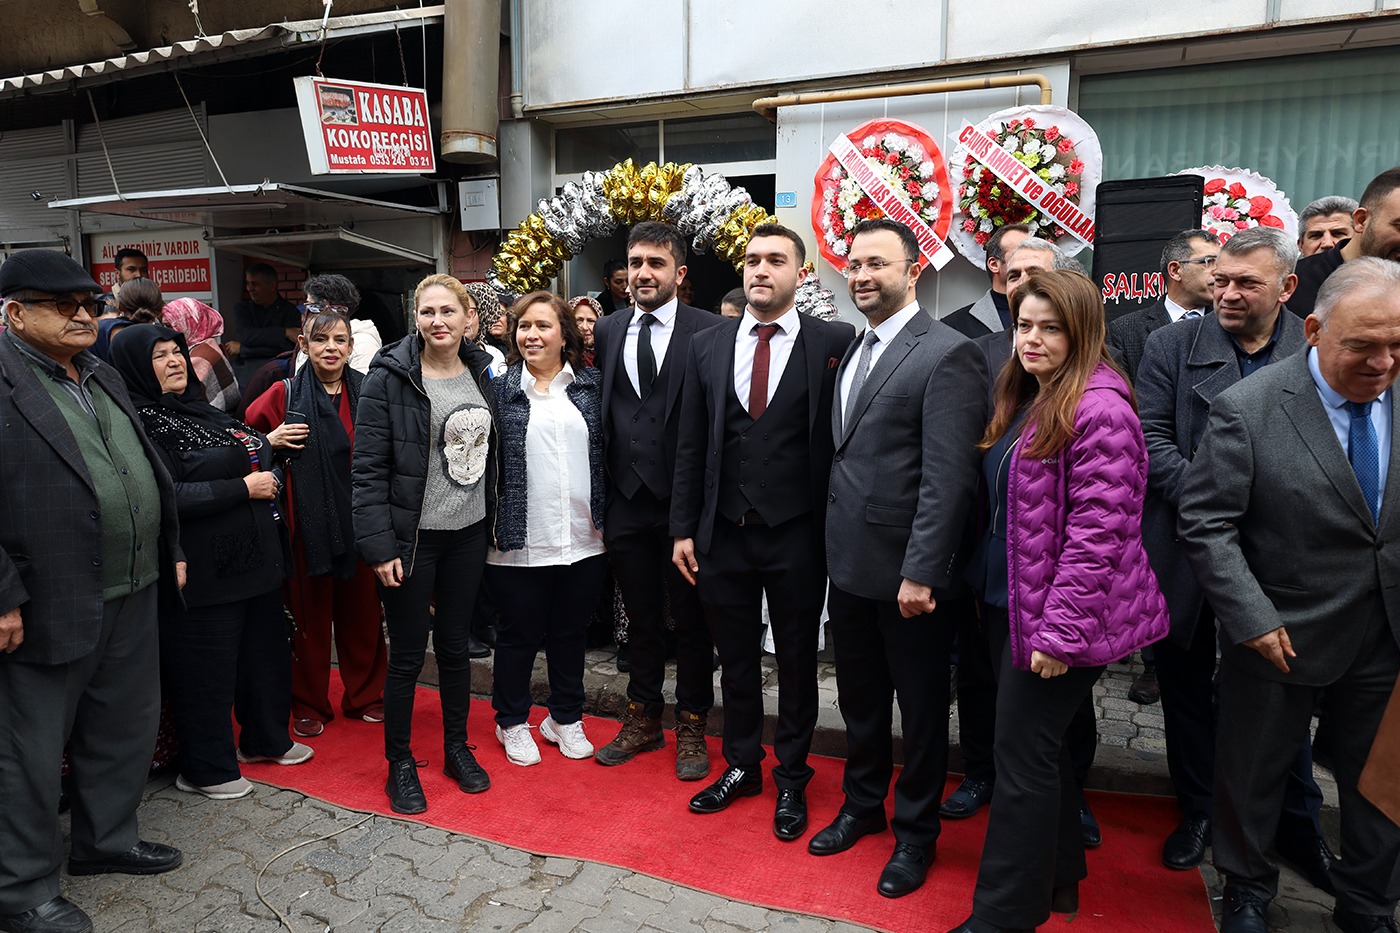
<point>692,755</point>
<point>640,733</point>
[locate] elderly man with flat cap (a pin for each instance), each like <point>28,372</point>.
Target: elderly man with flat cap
<point>87,528</point>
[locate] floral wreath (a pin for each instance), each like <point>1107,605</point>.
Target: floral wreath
<point>1237,199</point>
<point>906,158</point>
<point>1057,146</point>
<point>704,207</point>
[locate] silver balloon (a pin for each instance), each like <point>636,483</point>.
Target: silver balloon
<point>812,298</point>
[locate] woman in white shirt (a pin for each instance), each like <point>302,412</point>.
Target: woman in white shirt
<point>548,561</point>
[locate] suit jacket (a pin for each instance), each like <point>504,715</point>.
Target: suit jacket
<point>709,377</point>
<point>610,334</point>
<point>1127,335</point>
<point>49,532</point>
<point>1184,367</point>
<point>976,319</point>
<point>1275,525</point>
<point>996,350</point>
<point>904,475</point>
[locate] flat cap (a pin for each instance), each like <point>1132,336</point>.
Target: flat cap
<point>44,270</point>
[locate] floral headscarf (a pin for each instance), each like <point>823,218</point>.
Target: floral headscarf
<point>591,302</point>
<point>195,319</point>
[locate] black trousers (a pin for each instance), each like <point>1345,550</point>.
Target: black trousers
<point>743,564</point>
<point>637,533</point>
<point>448,565</point>
<point>105,707</point>
<point>545,607</point>
<point>1189,712</point>
<point>1034,842</point>
<point>881,658</point>
<point>235,655</point>
<point>1263,723</point>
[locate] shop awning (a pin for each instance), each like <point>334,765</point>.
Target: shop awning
<point>236,43</point>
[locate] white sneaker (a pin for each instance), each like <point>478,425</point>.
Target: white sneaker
<point>570,739</point>
<point>297,754</point>
<point>520,748</point>
<point>229,790</point>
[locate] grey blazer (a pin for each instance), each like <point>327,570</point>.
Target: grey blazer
<point>904,475</point>
<point>1275,525</point>
<point>1127,335</point>
<point>1184,367</point>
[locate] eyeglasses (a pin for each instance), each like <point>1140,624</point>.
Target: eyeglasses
<point>874,266</point>
<point>1207,261</point>
<point>66,306</point>
<point>316,307</point>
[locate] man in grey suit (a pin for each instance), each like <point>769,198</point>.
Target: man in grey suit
<point>87,526</point>
<point>991,314</point>
<point>1188,260</point>
<point>910,407</point>
<point>1184,367</point>
<point>1287,520</point>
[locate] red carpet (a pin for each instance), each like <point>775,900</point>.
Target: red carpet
<point>634,816</point>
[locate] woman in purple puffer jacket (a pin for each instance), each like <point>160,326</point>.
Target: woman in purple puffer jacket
<point>1067,584</point>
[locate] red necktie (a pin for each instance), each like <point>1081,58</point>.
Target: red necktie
<point>758,385</point>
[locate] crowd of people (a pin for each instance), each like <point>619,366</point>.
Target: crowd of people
<point>1021,485</point>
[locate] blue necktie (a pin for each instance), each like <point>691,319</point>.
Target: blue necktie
<point>1364,452</point>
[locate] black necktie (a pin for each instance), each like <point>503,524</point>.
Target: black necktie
<point>646,359</point>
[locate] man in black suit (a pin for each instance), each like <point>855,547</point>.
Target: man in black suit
<point>641,352</point>
<point>752,467</point>
<point>1184,367</point>
<point>1377,223</point>
<point>87,528</point>
<point>911,406</point>
<point>990,314</point>
<point>1291,523</point>
<point>1188,260</point>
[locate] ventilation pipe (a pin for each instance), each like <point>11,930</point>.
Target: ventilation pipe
<point>470,79</point>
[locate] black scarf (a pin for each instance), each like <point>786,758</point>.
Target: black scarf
<point>322,521</point>
<point>173,422</point>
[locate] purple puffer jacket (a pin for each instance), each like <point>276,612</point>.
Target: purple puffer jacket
<point>1080,588</point>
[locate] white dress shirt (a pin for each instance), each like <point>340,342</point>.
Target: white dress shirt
<point>558,523</point>
<point>886,331</point>
<point>1335,405</point>
<point>660,340</point>
<point>779,349</point>
<point>1176,312</point>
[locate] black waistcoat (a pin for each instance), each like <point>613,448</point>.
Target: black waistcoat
<point>638,454</point>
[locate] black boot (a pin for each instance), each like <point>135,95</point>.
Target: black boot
<point>404,790</point>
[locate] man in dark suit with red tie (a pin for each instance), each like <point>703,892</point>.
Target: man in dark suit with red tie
<point>748,509</point>
<point>642,352</point>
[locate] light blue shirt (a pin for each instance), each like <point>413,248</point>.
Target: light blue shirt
<point>1336,407</point>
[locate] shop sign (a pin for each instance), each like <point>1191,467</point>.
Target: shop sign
<point>353,127</point>
<point>177,260</point>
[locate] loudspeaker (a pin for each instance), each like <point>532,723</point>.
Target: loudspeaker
<point>1133,220</point>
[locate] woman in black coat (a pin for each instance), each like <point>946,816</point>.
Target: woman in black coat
<point>228,649</point>
<point>423,494</point>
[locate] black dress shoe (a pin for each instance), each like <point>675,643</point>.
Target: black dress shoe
<point>460,764</point>
<point>57,915</point>
<point>967,799</point>
<point>790,817</point>
<point>1243,912</point>
<point>905,871</point>
<point>1185,848</point>
<point>144,858</point>
<point>1088,826</point>
<point>486,634</point>
<point>1349,922</point>
<point>1145,690</point>
<point>476,650</point>
<point>844,831</point>
<point>404,790</point>
<point>1310,858</point>
<point>733,784</point>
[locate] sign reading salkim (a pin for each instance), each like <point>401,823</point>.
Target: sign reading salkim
<point>356,128</point>
<point>934,249</point>
<point>1024,182</point>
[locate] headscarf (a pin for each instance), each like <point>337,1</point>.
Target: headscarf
<point>590,301</point>
<point>174,422</point>
<point>488,308</point>
<point>193,318</point>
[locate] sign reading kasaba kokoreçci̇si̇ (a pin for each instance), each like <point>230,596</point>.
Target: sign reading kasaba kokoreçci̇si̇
<point>354,127</point>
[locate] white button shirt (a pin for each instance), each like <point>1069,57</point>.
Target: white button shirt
<point>886,331</point>
<point>661,333</point>
<point>558,524</point>
<point>779,349</point>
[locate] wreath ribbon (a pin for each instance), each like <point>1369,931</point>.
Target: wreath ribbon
<point>984,148</point>
<point>878,190</point>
